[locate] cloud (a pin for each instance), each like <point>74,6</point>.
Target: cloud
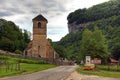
<point>23,11</point>
<point>5,14</point>
<point>56,7</point>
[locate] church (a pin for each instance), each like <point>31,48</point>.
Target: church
<point>40,46</point>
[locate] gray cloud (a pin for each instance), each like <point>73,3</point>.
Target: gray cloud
<point>34,6</point>
<point>2,14</point>
<point>22,12</point>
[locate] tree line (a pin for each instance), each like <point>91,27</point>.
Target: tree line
<point>75,46</point>
<point>94,13</point>
<point>101,38</point>
<point>12,38</point>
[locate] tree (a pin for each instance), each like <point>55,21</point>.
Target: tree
<point>94,13</point>
<point>114,42</point>
<point>11,36</point>
<point>93,44</point>
<point>84,42</point>
<point>26,35</point>
<point>6,44</point>
<point>60,50</point>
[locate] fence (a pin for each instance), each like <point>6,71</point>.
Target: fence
<point>50,60</point>
<point>9,66</point>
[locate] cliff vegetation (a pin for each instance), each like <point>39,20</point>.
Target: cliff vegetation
<point>100,38</point>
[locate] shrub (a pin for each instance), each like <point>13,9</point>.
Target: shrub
<point>30,61</point>
<point>18,51</point>
<point>109,68</point>
<point>4,57</point>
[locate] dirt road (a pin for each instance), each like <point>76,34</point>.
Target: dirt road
<point>58,73</point>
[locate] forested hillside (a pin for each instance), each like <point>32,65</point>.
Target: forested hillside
<point>96,12</point>
<point>100,38</point>
<point>12,38</point>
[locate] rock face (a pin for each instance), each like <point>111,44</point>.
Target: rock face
<point>73,27</point>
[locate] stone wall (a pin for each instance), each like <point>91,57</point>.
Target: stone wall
<point>39,46</point>
<point>7,53</point>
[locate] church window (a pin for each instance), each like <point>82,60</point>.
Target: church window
<point>39,25</point>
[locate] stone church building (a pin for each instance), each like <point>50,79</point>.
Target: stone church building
<point>40,46</point>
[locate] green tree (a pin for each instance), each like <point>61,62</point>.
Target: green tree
<point>84,42</point>
<point>11,36</point>
<point>114,42</point>
<point>94,13</point>
<point>26,35</point>
<point>93,44</point>
<point>60,50</point>
<point>6,44</point>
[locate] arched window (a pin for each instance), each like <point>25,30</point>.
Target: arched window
<point>39,25</point>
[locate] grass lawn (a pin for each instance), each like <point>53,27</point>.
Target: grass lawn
<point>99,72</point>
<point>26,66</point>
<point>26,69</point>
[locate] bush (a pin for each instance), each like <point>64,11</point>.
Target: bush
<point>30,61</point>
<point>109,68</point>
<point>4,57</point>
<point>18,51</point>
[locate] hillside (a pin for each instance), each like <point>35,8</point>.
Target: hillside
<point>78,19</point>
<point>107,22</point>
<point>12,38</point>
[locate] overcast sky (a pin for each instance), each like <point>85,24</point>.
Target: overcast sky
<point>56,11</point>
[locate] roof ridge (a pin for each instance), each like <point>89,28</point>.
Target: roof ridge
<point>40,18</point>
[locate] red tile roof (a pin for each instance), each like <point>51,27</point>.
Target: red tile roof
<point>113,60</point>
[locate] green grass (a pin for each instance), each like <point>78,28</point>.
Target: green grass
<point>99,72</point>
<point>26,66</point>
<point>14,60</point>
<point>110,68</point>
<point>26,69</point>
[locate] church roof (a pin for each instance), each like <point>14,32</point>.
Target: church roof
<point>40,18</point>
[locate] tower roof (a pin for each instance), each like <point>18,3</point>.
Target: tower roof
<point>40,18</point>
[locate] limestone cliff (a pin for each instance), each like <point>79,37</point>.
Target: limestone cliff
<point>73,27</point>
<point>80,18</point>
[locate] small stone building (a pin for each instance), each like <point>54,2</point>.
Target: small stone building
<point>40,46</point>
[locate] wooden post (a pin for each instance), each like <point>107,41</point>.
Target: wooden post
<point>0,64</point>
<point>118,66</point>
<point>11,66</point>
<point>108,66</point>
<point>18,65</point>
<point>6,65</point>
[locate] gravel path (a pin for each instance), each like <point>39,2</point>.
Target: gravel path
<point>76,76</point>
<point>58,73</point>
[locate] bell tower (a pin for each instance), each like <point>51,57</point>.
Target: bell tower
<point>39,36</point>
